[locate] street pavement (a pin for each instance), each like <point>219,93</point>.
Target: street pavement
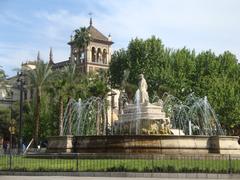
<point>81,178</point>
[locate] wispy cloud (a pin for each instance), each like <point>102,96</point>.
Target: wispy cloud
<point>199,24</point>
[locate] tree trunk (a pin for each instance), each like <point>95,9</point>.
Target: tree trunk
<point>69,118</point>
<point>60,116</point>
<point>104,120</point>
<point>37,116</point>
<point>97,120</point>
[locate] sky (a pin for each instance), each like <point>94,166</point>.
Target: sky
<point>29,26</point>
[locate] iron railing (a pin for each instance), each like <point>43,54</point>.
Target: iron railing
<point>121,163</point>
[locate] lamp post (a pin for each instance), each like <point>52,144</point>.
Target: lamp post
<point>12,130</point>
<point>21,83</point>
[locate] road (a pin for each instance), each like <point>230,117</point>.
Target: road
<point>81,178</point>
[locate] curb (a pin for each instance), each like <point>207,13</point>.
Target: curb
<point>126,174</point>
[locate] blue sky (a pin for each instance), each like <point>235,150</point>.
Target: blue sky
<point>27,26</point>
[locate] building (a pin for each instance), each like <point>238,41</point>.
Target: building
<point>93,57</point>
<point>9,93</point>
<point>96,55</point>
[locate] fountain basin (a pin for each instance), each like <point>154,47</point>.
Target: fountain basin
<point>158,144</point>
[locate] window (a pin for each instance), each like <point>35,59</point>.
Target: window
<point>104,56</point>
<point>99,55</point>
<point>93,54</point>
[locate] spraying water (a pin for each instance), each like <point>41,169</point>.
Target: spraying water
<point>194,115</point>
<point>85,117</point>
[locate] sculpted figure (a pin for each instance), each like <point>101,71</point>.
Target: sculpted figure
<point>122,101</point>
<point>142,85</point>
<point>167,126</point>
<point>154,129</point>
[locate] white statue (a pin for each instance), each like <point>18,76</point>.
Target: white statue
<point>142,85</point>
<point>122,101</point>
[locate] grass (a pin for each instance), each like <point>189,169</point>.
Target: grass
<point>213,165</point>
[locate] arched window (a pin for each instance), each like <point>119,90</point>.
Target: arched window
<point>93,54</point>
<point>75,53</point>
<point>104,56</point>
<point>99,55</point>
<point>82,56</point>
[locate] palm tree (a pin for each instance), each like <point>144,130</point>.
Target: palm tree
<point>63,86</point>
<point>81,41</point>
<point>55,90</point>
<point>38,79</point>
<point>81,37</point>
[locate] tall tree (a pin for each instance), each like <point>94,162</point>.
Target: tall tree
<point>38,79</point>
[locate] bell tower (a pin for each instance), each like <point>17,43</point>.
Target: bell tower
<point>96,55</point>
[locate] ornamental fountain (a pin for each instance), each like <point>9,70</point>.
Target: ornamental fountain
<point>168,126</point>
<point>142,117</point>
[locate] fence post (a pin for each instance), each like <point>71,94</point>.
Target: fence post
<point>10,161</point>
<point>152,162</point>
<point>229,164</point>
<point>76,162</point>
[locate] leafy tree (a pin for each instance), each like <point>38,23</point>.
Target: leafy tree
<point>4,120</point>
<point>118,64</point>
<point>182,71</point>
<point>99,84</point>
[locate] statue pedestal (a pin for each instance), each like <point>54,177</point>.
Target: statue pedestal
<point>144,118</point>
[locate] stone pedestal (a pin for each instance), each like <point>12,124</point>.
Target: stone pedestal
<point>60,144</point>
<point>144,111</point>
<point>224,144</point>
<point>142,119</point>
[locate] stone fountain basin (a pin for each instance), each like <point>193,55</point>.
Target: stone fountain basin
<point>158,144</point>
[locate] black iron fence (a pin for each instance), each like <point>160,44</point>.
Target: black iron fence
<point>121,163</point>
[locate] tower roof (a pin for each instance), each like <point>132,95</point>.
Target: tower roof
<point>97,35</point>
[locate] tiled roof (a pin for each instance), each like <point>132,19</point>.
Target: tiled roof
<point>96,35</point>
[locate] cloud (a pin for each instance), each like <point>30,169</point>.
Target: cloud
<point>199,24</point>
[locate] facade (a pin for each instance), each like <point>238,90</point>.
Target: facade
<point>10,93</point>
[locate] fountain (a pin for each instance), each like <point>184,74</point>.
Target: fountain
<point>168,126</point>
<point>142,117</point>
